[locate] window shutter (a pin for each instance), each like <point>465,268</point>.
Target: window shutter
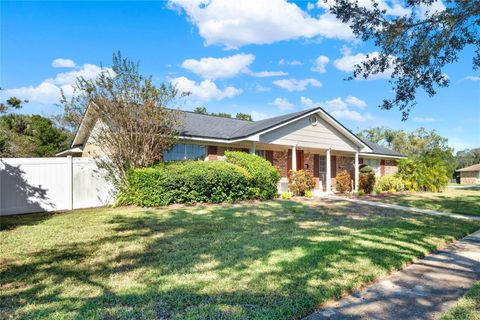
<point>269,156</point>
<point>382,168</point>
<point>316,163</point>
<point>333,163</point>
<point>212,150</point>
<point>289,160</point>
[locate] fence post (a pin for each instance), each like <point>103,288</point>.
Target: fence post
<point>69,186</point>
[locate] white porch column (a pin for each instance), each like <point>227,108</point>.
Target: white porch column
<point>294,158</point>
<point>357,174</point>
<point>329,172</point>
<point>253,148</point>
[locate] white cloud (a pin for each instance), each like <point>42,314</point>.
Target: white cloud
<point>256,116</point>
<point>217,68</point>
<point>237,23</point>
<point>472,78</point>
<point>320,64</point>
<point>356,102</point>
<point>348,62</point>
<point>282,104</point>
<point>425,119</point>
<point>297,85</point>
<point>205,90</point>
<point>290,63</point>
<point>337,108</point>
<point>63,63</point>
<point>263,74</point>
<point>48,92</point>
<point>310,6</point>
<point>228,67</point>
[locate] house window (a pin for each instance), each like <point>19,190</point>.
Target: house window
<point>374,164</point>
<point>322,165</point>
<point>260,153</point>
<point>182,151</point>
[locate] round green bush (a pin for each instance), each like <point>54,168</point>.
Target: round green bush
<point>264,177</point>
<point>186,182</point>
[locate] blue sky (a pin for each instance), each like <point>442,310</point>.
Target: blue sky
<point>263,58</point>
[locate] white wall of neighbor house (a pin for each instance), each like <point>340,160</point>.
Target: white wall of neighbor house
<point>49,184</point>
<point>307,135</point>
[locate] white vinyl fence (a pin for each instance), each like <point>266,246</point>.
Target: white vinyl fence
<point>47,184</point>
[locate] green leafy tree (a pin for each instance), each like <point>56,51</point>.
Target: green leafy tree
<point>201,110</point>
<point>416,46</point>
<point>221,114</point>
<point>31,136</point>
<point>11,103</point>
<point>467,157</point>
<point>415,144</point>
<point>243,116</point>
<point>137,120</point>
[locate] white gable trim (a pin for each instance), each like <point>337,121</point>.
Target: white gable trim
<point>325,116</point>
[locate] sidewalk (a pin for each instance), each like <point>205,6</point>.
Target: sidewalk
<point>423,290</point>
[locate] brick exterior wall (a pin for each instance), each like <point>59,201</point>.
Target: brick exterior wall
<point>280,159</point>
<point>309,162</point>
<point>469,177</point>
<point>391,167</point>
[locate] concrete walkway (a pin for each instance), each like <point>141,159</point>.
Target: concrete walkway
<point>423,290</point>
<point>404,208</point>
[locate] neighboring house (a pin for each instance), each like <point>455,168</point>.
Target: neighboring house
<point>311,139</point>
<point>470,175</point>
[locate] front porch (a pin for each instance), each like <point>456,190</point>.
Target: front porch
<point>324,164</point>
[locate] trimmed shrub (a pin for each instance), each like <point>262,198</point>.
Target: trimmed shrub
<point>286,195</point>
<point>366,169</point>
<point>263,176</point>
<point>343,182</point>
<point>308,193</point>
<point>186,182</point>
<point>367,181</point>
<point>388,183</point>
<point>361,193</point>
<point>300,181</point>
<point>427,173</point>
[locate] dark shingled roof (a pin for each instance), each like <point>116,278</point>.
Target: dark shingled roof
<point>207,126</point>
<point>215,127</point>
<point>378,149</point>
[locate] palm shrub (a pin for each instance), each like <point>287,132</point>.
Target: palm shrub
<point>300,182</point>
<point>186,182</point>
<point>389,183</point>
<point>263,176</point>
<point>427,173</point>
<point>343,182</point>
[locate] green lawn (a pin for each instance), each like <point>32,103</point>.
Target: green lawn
<point>461,201</point>
<point>467,308</point>
<point>271,260</point>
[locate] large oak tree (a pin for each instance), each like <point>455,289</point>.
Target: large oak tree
<point>415,46</point>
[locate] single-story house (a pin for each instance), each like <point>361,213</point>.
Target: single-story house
<point>310,139</point>
<point>470,175</point>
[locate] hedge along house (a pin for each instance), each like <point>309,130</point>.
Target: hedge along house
<point>310,140</point>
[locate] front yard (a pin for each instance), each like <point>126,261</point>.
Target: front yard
<point>462,201</point>
<point>270,260</point>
